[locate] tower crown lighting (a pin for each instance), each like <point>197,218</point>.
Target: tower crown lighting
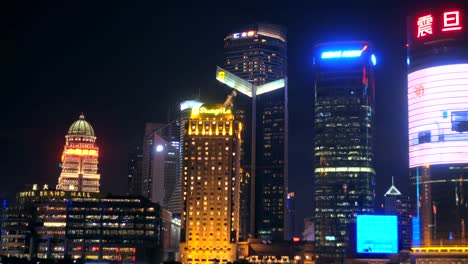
<point>80,159</point>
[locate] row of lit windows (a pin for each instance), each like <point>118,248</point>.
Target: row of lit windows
<point>122,232</point>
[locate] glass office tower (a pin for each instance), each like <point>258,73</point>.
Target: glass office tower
<point>258,55</point>
<point>343,158</point>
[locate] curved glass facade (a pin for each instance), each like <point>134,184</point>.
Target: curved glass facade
<point>438,115</point>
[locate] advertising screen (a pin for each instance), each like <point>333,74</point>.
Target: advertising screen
<point>377,234</point>
<point>438,115</point>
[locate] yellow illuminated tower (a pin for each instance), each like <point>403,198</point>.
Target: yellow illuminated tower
<point>210,206</point>
<point>80,159</point>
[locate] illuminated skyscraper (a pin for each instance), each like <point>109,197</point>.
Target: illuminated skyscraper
<point>80,159</point>
<point>438,123</point>
<point>343,159</point>
<point>210,218</point>
<point>258,56</point>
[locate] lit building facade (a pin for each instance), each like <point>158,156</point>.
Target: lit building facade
<point>113,228</point>
<point>16,231</point>
<point>80,159</point>
<point>438,124</point>
<point>210,206</point>
<point>184,116</point>
<point>54,224</point>
<point>344,154</point>
<point>258,56</point>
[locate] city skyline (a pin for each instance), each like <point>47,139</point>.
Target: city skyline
<point>74,75</point>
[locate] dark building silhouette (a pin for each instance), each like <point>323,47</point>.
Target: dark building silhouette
<point>135,159</point>
<point>290,214</point>
<point>400,205</point>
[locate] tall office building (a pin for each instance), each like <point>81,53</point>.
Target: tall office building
<point>160,164</point>
<point>155,169</point>
<point>438,123</point>
<point>343,159</point>
<point>80,159</point>
<point>400,205</point>
<point>210,218</point>
<point>258,55</point>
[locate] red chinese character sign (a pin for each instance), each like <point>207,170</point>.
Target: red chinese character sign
<point>451,21</point>
<point>425,26</point>
<point>429,24</point>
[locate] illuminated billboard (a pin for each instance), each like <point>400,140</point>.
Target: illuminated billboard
<point>438,115</point>
<point>376,234</point>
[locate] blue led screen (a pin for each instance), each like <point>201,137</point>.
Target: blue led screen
<point>376,234</point>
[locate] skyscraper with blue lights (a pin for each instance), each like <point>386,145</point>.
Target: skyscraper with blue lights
<point>343,143</point>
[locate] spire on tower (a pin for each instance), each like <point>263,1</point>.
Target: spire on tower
<point>393,190</point>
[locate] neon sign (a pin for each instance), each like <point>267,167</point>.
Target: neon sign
<point>425,26</point>
<point>451,22</point>
<point>82,152</point>
<point>250,33</point>
<point>218,111</point>
<point>343,53</point>
<point>57,193</point>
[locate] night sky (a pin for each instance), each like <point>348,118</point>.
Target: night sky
<point>125,63</point>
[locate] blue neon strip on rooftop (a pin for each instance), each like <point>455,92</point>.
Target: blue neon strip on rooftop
<point>341,54</point>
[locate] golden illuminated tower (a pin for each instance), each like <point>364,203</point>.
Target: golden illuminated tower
<point>80,159</point>
<point>210,206</point>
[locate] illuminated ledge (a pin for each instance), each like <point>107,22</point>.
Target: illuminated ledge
<point>344,169</point>
<point>442,250</point>
<point>244,86</point>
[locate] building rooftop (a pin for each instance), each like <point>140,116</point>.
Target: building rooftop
<point>393,190</point>
<point>81,127</point>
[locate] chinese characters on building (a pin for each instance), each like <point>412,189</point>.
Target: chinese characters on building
<point>451,21</point>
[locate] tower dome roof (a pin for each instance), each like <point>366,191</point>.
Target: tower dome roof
<point>81,127</point>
